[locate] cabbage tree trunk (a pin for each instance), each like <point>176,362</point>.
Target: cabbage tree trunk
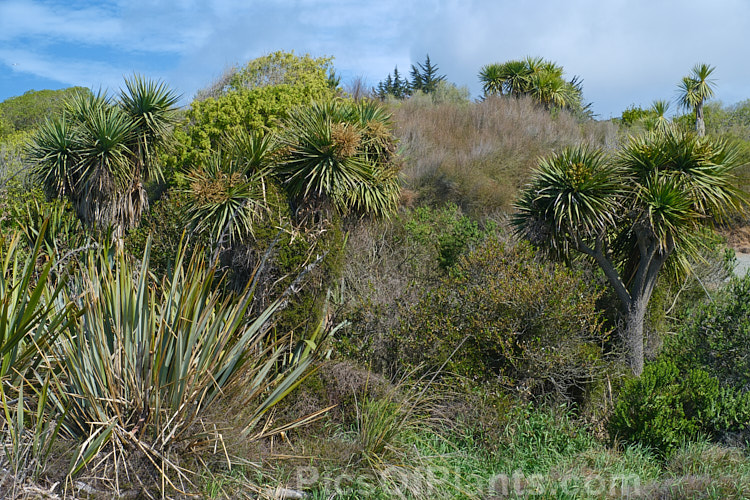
<point>700,124</point>
<point>634,296</point>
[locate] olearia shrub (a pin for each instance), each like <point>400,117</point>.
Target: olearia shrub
<point>504,316</point>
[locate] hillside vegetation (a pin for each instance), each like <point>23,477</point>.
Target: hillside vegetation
<point>297,289</point>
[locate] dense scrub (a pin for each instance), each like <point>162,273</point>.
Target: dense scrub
<point>504,317</point>
<point>294,223</point>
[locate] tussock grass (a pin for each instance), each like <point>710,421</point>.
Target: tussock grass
<point>479,154</point>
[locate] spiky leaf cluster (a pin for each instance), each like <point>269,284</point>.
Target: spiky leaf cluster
<point>99,151</point>
<point>659,191</point>
<point>228,191</point>
<point>575,195</point>
<point>341,153</point>
<point>535,77</point>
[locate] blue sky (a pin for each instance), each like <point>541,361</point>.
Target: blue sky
<point>626,51</point>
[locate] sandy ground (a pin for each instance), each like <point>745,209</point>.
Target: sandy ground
<point>743,263</point>
<point>738,238</point>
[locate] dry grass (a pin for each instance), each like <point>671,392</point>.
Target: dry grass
<point>479,154</point>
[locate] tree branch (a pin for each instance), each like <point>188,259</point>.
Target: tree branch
<point>597,253</point>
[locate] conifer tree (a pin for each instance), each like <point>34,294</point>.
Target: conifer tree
<point>425,76</point>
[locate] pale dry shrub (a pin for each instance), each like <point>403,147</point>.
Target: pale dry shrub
<point>479,154</point>
<point>383,270</point>
<point>219,86</point>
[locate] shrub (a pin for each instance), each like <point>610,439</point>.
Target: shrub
<point>715,337</point>
<point>445,230</point>
<point>390,263</point>
<point>12,166</point>
<point>166,222</point>
<point>665,407</point>
<point>531,326</point>
<point>255,97</point>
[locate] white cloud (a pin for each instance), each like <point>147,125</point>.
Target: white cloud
<point>29,20</point>
<point>67,71</point>
<point>626,51</point>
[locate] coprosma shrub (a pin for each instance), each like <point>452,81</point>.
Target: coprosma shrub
<point>502,315</point>
<point>665,406</point>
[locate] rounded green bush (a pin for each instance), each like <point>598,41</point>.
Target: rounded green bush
<point>667,406</point>
<point>529,325</point>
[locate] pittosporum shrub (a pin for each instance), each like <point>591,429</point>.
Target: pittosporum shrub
<point>503,315</point>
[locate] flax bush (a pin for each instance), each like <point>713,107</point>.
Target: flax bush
<point>149,356</point>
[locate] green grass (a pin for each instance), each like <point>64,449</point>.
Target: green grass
<point>540,453</point>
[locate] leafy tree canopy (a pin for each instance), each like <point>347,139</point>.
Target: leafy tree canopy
<point>285,68</point>
<point>255,98</point>
<point>28,111</point>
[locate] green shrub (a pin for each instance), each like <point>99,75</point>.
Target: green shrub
<point>30,110</point>
<point>716,336</point>
<point>665,407</point>
<point>531,326</point>
<point>447,231</point>
<point>256,97</point>
<point>165,222</point>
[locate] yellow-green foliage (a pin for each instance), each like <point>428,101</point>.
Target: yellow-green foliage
<point>259,96</point>
<point>11,155</point>
<point>28,111</point>
<point>5,126</point>
<point>532,326</point>
<point>446,232</point>
<point>15,201</point>
<point>285,68</point>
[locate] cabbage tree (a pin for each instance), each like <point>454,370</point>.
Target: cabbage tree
<point>100,151</point>
<point>633,214</point>
<point>340,155</point>
<point>694,90</point>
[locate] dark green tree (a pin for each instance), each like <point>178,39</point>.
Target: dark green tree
<point>393,86</point>
<point>425,77</point>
